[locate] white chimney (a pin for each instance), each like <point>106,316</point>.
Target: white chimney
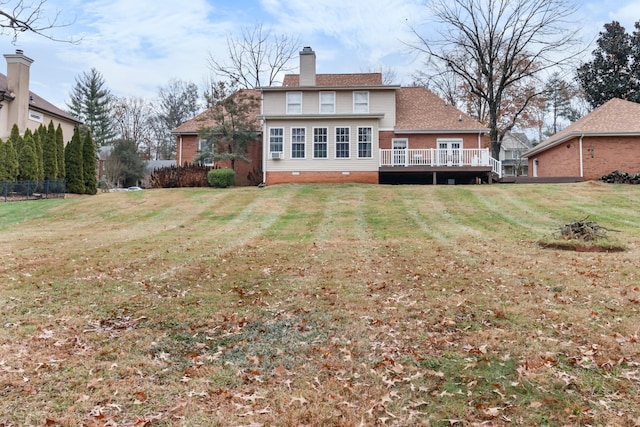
<point>307,67</point>
<point>18,88</point>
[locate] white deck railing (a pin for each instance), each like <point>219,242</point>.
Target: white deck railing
<point>474,157</point>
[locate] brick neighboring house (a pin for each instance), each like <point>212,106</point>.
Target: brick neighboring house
<point>605,140</point>
<point>189,145</point>
<point>18,105</point>
<point>353,128</point>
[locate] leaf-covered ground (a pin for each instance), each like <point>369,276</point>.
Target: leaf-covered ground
<point>319,305</point>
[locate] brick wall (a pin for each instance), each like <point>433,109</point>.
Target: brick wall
<point>327,177</point>
<point>601,155</point>
<point>243,169</point>
<point>426,140</point>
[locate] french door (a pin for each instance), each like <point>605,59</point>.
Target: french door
<point>450,152</point>
<point>399,151</point>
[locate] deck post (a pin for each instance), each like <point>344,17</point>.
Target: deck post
<point>435,180</point>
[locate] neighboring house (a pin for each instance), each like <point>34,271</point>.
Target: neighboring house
<point>189,145</point>
<point>18,105</point>
<point>353,128</point>
<point>605,140</point>
<point>511,154</point>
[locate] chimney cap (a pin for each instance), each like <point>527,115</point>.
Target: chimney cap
<point>307,51</point>
<point>19,52</point>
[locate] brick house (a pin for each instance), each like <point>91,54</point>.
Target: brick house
<point>354,128</point>
<point>20,106</point>
<point>605,140</point>
<point>189,144</point>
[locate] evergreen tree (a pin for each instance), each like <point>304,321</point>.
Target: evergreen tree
<point>15,138</point>
<point>73,164</point>
<point>89,165</point>
<point>11,167</point>
<point>610,73</point>
<point>90,102</point>
<point>59,141</point>
<point>130,166</point>
<point>37,145</point>
<point>3,161</point>
<point>50,153</point>
<point>27,159</point>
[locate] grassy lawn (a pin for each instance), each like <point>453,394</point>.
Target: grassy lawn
<point>323,305</point>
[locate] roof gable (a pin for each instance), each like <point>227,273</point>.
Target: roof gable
<point>419,109</point>
<point>337,80</point>
<point>614,117</point>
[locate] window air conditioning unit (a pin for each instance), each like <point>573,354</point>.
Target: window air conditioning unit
<point>276,154</point>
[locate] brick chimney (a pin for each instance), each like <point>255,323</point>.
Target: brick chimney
<point>307,67</point>
<point>18,88</point>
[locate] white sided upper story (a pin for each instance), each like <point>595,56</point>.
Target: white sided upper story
<point>309,96</point>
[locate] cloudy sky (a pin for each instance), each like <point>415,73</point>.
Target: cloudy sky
<point>139,45</point>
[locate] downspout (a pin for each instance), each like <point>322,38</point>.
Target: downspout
<point>180,152</point>
<point>581,159</point>
<point>479,140</point>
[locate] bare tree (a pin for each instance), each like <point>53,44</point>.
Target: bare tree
<point>257,58</point>
<point>494,45</point>
<point>29,16</point>
<point>177,102</point>
<point>133,121</point>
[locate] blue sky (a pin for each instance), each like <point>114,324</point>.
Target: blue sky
<point>140,45</point>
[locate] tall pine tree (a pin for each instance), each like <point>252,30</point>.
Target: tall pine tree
<point>90,102</point>
<point>89,165</point>
<point>73,164</point>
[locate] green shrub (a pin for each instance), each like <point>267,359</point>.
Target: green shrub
<point>221,178</point>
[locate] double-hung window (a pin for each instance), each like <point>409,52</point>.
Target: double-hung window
<point>298,136</point>
<point>276,140</point>
<point>342,143</point>
<point>364,142</point>
<point>294,102</point>
<point>327,102</point>
<point>320,143</point>
<point>360,102</point>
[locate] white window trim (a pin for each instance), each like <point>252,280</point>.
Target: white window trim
<point>354,102</point>
<point>358,142</point>
<point>269,141</point>
<point>288,103</point>
<point>36,116</point>
<point>313,142</point>
<point>291,143</point>
<point>335,143</point>
<point>333,104</point>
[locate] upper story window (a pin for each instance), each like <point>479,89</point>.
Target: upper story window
<point>294,102</point>
<point>360,102</point>
<point>327,102</point>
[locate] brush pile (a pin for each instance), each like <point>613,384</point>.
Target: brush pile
<point>621,177</point>
<point>582,230</point>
